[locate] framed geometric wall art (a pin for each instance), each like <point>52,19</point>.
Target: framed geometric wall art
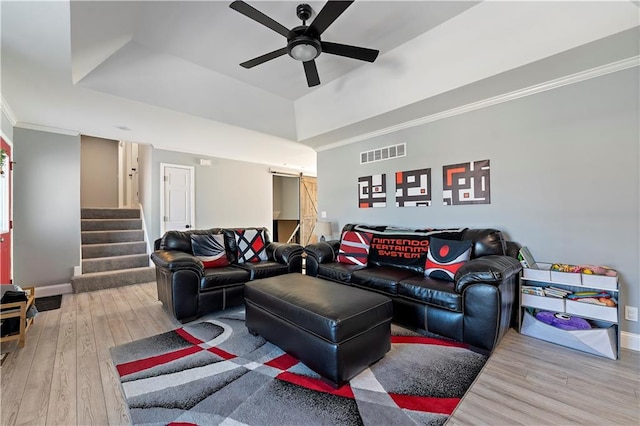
<point>466,183</point>
<point>372,191</point>
<point>413,188</point>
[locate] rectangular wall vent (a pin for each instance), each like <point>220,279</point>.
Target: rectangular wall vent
<point>386,153</point>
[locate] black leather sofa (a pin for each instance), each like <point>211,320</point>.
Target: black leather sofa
<point>188,290</point>
<point>476,308</point>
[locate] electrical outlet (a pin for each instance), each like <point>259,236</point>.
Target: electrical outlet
<point>631,313</point>
<point>323,215</point>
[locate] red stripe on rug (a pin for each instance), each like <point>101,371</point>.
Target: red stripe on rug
<point>188,337</point>
<point>283,362</point>
<point>221,353</point>
<point>426,403</point>
<point>427,341</point>
<point>146,363</point>
<point>315,384</point>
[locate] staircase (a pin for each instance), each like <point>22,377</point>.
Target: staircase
<point>114,252</point>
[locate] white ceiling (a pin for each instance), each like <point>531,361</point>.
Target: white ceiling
<point>166,72</point>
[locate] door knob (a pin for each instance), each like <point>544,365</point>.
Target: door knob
<point>1,240</point>
<point>187,226</point>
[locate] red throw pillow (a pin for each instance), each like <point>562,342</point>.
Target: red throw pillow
<point>210,250</point>
<point>354,248</point>
<point>251,245</point>
<point>445,257</point>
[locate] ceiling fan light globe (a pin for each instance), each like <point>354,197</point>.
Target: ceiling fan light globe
<point>304,52</point>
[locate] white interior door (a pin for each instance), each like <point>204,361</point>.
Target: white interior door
<point>178,197</point>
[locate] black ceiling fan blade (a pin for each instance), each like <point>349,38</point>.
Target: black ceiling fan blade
<point>311,71</point>
<point>264,58</point>
<point>256,15</point>
<point>328,14</point>
<point>355,52</point>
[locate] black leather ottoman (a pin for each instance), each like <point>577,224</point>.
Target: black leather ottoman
<point>334,329</point>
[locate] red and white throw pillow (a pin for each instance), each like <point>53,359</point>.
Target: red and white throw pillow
<point>354,248</point>
<point>210,250</point>
<point>251,245</point>
<point>445,257</point>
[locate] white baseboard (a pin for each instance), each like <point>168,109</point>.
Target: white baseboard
<point>77,270</point>
<point>630,340</point>
<point>53,290</point>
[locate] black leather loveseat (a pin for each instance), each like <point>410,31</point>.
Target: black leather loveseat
<point>476,307</point>
<point>188,289</point>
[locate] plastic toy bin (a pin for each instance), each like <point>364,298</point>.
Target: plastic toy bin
<point>597,341</point>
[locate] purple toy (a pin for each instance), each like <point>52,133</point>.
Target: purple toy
<point>563,321</point>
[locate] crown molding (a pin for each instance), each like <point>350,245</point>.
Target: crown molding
<point>495,100</point>
<point>8,112</point>
<point>41,128</point>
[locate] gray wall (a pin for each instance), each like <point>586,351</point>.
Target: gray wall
<point>228,193</point>
<point>46,213</point>
<point>564,175</point>
<point>99,172</point>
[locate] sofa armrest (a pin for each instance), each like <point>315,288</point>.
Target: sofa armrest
<point>175,260</point>
<point>323,251</point>
<point>289,254</point>
<point>283,252</point>
<point>492,269</point>
<point>319,253</point>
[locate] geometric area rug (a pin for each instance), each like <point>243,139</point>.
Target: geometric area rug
<point>215,373</point>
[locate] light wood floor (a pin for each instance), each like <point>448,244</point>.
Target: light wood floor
<point>64,375</point>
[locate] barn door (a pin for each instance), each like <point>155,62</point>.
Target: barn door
<point>308,209</point>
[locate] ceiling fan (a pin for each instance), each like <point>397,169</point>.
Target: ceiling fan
<point>303,42</point>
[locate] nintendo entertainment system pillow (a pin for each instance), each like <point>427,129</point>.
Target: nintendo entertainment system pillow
<point>404,248</point>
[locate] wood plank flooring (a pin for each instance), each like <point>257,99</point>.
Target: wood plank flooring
<point>64,375</point>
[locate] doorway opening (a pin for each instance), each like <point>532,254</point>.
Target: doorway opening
<point>295,200</point>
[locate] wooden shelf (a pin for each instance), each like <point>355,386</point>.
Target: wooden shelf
<point>19,310</point>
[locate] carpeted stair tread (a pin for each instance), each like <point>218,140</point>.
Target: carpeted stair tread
<point>113,263</point>
<point>110,224</point>
<point>114,252</point>
<point>109,213</point>
<point>91,251</point>
<point>104,237</point>
<point>109,279</point>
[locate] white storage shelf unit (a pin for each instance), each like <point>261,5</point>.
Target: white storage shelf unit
<point>602,340</point>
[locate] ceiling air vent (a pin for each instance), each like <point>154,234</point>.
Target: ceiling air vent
<point>386,153</point>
